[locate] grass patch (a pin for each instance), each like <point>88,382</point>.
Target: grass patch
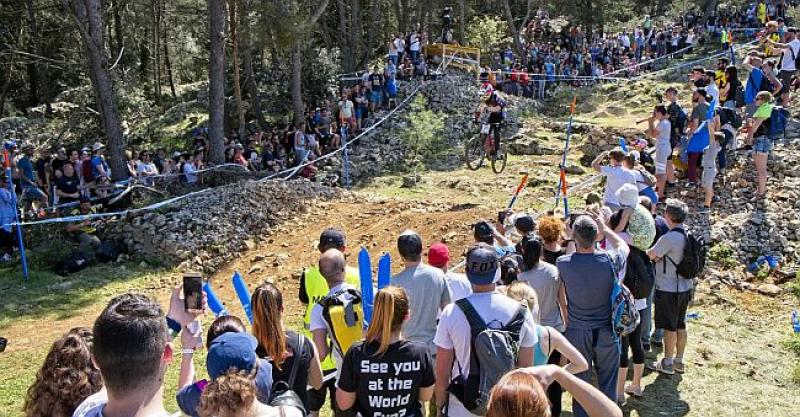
<point>792,344</point>
<point>795,377</point>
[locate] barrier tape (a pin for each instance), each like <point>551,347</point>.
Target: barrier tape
<point>690,63</point>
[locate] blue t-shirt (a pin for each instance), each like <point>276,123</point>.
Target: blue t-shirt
<point>188,397</point>
<point>96,162</point>
<point>588,282</point>
<point>26,166</point>
<point>550,70</point>
<point>751,87</point>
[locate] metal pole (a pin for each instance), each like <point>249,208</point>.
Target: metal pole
<point>345,159</point>
<point>20,240</point>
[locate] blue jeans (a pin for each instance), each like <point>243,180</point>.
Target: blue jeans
<point>647,317</point>
<point>601,350</point>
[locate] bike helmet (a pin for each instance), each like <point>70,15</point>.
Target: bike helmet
<point>486,92</point>
<point>9,144</point>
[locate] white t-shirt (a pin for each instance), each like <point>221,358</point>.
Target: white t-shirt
<point>787,64</point>
<point>414,43</point>
<point>459,286</point>
<point>616,177</point>
<point>346,109</point>
<point>400,44</point>
<point>189,169</point>
<point>94,404</point>
<point>664,128</point>
<point>318,322</point>
<point>453,333</point>
<point>146,168</point>
<point>713,91</point>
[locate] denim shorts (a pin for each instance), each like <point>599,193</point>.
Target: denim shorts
<point>762,144</point>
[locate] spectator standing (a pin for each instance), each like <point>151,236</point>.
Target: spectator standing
<point>28,180</point>
<point>677,122</point>
<point>588,277</point>
<point>660,129</point>
<point>453,336</point>
<point>68,185</point>
<point>791,50</point>
<point>709,163</point>
<point>8,215</point>
<point>673,292</point>
<point>146,168</point>
<point>484,232</point>
<point>551,231</point>
<point>385,374</point>
<point>758,135</point>
<point>234,394</point>
<point>426,288</point>
<point>285,349</point>
<point>457,284</point>
<point>616,175</point>
<point>754,81</point>
<point>697,131</point>
<point>66,378</point>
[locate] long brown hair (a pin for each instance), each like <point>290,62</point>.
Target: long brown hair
<point>229,395</point>
<point>66,378</point>
<point>518,394</point>
<point>267,303</point>
<point>388,314</point>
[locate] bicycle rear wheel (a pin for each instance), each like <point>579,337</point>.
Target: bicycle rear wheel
<point>474,153</point>
<point>499,161</point>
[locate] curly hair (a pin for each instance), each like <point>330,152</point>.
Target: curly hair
<point>518,394</point>
<point>66,378</point>
<point>229,395</point>
<point>551,229</point>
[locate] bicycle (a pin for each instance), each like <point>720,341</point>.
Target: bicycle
<point>481,146</point>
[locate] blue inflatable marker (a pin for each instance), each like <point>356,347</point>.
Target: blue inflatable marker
<point>244,295</point>
<point>623,145</point>
<point>384,270</point>
<point>214,304</point>
<point>365,273</point>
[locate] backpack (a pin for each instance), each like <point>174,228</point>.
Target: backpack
<point>640,275</point>
<point>764,85</point>
<point>282,393</point>
<point>694,256</point>
<point>74,262</point>
<point>738,96</point>
<point>677,119</point>
<point>344,315</point>
<point>795,57</point>
<point>777,123</point>
<point>624,315</point>
<point>108,251</point>
<point>493,352</point>
<point>729,116</point>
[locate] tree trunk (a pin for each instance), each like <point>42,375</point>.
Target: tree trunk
<point>216,81</point>
<point>462,21</point>
<point>39,74</point>
<point>348,55</point>
<point>119,31</point>
<point>709,7</point>
<point>372,29</point>
<point>89,19</point>
<point>237,86</point>
<point>518,50</point>
<point>247,63</point>
<point>157,50</point>
<point>167,61</point>
<point>298,107</point>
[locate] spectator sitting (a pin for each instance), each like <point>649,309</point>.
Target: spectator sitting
<point>68,185</point>
<point>66,378</point>
<point>269,160</point>
<point>225,353</point>
<point>84,232</point>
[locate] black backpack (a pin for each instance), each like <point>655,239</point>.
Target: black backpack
<point>694,256</point>
<point>729,116</point>
<point>640,275</point>
<point>74,262</point>
<point>282,393</point>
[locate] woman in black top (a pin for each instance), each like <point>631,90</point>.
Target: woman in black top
<point>385,375</point>
<point>551,230</point>
<point>279,345</point>
<point>732,85</point>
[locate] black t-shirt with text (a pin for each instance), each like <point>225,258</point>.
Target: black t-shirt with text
<point>387,385</point>
<point>68,185</point>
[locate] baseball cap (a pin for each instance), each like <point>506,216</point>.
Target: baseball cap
<point>332,238</point>
<point>482,264</point>
<point>438,255</point>
<point>231,350</point>
<point>483,229</point>
<point>97,146</point>
<point>524,223</point>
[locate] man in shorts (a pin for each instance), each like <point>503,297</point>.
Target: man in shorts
<point>30,186</point>
<point>673,292</point>
<point>791,50</point>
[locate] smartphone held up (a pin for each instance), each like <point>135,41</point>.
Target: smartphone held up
<point>193,292</point>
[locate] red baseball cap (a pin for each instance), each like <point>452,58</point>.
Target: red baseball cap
<point>438,255</point>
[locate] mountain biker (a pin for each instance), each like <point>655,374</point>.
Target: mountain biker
<point>495,106</point>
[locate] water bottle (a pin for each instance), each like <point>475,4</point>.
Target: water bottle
<point>795,322</point>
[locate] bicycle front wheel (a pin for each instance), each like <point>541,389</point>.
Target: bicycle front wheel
<point>474,153</point>
<point>499,161</point>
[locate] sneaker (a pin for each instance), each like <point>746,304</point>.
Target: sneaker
<point>660,366</point>
<point>657,342</point>
<point>705,210</point>
<point>679,367</point>
<point>634,391</point>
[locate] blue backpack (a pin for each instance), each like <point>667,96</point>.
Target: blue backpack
<point>777,123</point>
<point>624,315</point>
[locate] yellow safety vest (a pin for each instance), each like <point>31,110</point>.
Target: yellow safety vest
<point>720,78</point>
<point>724,37</point>
<point>316,289</point>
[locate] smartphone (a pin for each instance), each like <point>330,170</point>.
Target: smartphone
<point>501,216</point>
<point>193,292</point>
<point>573,216</point>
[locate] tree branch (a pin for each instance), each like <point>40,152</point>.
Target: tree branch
<point>318,13</point>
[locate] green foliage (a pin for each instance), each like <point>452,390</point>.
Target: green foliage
<point>424,134</point>
<point>793,344</point>
<point>796,373</point>
<point>793,13</point>
<point>487,33</point>
<point>723,255</point>
<point>794,285</point>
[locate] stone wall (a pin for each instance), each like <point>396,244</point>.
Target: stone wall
<point>204,231</point>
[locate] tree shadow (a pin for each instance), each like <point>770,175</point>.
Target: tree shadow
<point>661,398</point>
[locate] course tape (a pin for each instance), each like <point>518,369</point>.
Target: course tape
<point>690,63</point>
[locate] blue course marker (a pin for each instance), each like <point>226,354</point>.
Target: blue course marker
<point>244,295</point>
<point>214,304</point>
<point>384,270</point>
<point>365,273</point>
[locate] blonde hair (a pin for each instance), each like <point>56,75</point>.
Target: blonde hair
<point>765,95</point>
<point>267,304</point>
<point>525,294</point>
<point>229,395</point>
<point>388,314</point>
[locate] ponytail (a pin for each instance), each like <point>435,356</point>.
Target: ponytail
<point>267,303</point>
<point>531,251</point>
<point>389,313</point>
